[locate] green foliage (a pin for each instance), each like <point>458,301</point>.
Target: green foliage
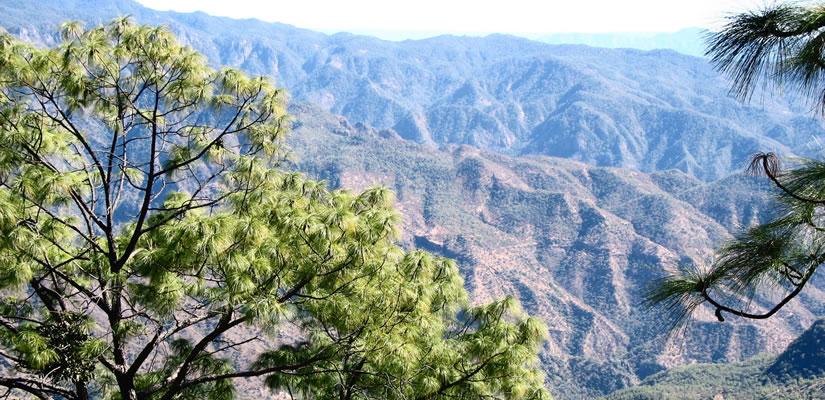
<point>803,359</point>
<point>781,44</point>
<point>742,380</point>
<point>207,364</point>
<point>148,236</point>
<point>779,256</point>
<point>469,359</point>
<point>74,348</point>
<point>678,293</point>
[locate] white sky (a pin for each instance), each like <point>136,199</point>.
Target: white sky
<point>477,16</point>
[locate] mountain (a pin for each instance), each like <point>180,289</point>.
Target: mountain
<point>522,161</point>
<point>804,358</point>
<point>796,373</point>
<point>576,244</point>
<point>643,110</point>
<point>686,41</point>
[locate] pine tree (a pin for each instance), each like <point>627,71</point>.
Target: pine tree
<point>779,47</point>
<point>148,237</point>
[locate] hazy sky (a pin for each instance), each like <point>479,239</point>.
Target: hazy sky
<point>479,16</point>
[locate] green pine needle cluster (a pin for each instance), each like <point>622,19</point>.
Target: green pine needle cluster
<point>765,266</point>
<point>777,257</point>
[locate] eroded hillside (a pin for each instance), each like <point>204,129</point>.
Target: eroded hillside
<point>575,243</point>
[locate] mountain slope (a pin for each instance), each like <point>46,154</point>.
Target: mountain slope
<point>576,244</point>
<point>804,358</point>
<point>646,111</point>
<point>796,373</point>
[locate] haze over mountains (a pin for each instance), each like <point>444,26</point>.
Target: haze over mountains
<point>686,41</point>
<point>567,176</point>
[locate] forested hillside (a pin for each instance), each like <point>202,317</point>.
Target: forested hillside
<point>796,373</point>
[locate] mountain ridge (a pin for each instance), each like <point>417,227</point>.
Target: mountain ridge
<point>643,110</point>
<point>576,244</point>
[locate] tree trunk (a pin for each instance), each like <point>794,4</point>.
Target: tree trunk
<point>126,384</point>
<point>81,390</point>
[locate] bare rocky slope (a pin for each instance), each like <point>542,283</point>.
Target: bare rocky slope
<point>577,244</point>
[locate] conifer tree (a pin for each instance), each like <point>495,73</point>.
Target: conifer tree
<point>779,47</point>
<point>148,238</point>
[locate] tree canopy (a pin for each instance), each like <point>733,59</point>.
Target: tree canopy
<point>151,245</point>
<point>778,47</point>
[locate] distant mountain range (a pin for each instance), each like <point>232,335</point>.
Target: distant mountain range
<point>643,110</point>
<point>686,41</point>
<point>522,160</point>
